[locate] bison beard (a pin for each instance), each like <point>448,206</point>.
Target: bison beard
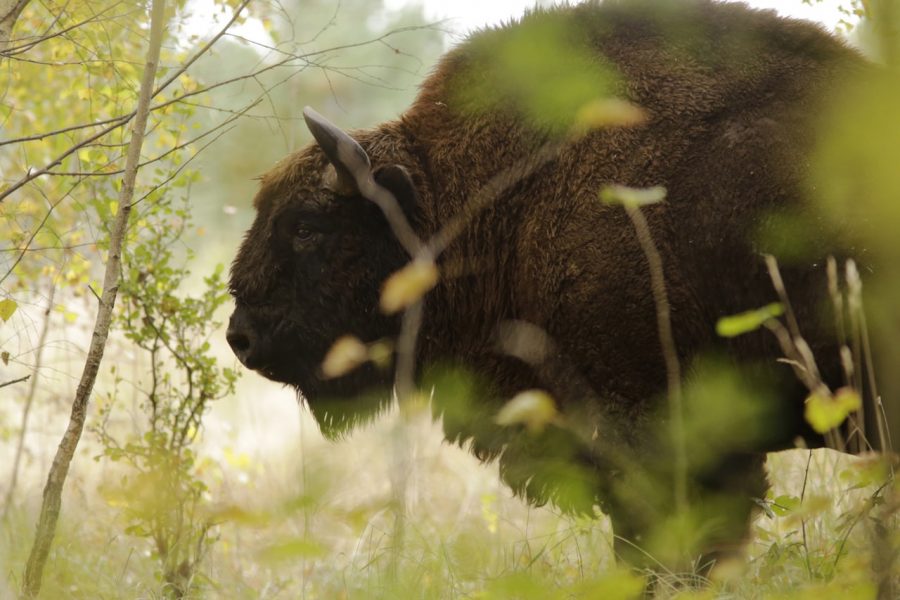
<point>729,96</point>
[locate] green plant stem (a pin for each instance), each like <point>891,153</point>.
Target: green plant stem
<point>669,350</point>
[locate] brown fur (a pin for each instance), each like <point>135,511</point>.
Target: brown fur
<point>731,95</point>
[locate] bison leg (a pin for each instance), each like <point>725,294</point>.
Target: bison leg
<point>650,534</point>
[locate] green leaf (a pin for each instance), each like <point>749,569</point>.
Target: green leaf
<point>824,412</point>
<point>7,308</point>
<point>784,505</point>
<point>746,322</point>
<point>629,196</point>
<point>293,550</point>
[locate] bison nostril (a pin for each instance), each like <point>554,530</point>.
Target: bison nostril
<point>238,341</point>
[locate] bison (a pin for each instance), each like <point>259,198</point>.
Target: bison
<point>544,287</point>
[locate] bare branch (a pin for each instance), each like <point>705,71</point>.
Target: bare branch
<point>14,381</point>
<point>116,122</point>
<point>31,175</point>
<point>9,13</point>
<point>150,161</point>
<point>10,52</point>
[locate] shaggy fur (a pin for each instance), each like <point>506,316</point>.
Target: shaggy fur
<point>730,93</point>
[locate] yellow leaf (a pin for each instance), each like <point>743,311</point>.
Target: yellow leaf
<point>609,112</point>
<point>824,412</point>
<point>7,308</point>
<point>629,196</point>
<point>848,399</point>
<point>533,408</point>
<point>408,285</point>
<point>240,461</point>
<point>346,354</point>
<point>381,353</point>
<point>114,207</point>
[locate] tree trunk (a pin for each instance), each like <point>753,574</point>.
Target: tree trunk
<point>9,12</point>
<point>46,527</point>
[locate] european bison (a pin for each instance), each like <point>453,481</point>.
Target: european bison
<point>543,286</point>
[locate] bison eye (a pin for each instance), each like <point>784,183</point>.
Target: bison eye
<point>302,239</point>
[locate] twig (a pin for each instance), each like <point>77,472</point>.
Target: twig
<point>10,13</point>
<point>14,381</point>
<point>35,173</point>
<point>9,52</point>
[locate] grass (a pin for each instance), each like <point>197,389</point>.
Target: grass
<point>318,520</point>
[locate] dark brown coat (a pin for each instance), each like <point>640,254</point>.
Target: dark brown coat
<point>730,95</point>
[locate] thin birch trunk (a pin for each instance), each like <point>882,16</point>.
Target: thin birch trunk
<point>46,527</point>
<point>9,12</point>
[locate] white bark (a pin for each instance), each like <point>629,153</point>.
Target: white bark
<point>52,503</point>
<point>9,12</point>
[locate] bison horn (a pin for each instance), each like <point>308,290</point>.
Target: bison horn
<point>343,152</point>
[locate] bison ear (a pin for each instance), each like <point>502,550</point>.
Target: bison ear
<point>397,180</point>
<point>343,152</point>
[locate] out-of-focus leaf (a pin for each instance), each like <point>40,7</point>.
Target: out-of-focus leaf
<point>381,352</point>
<point>241,516</point>
<point>292,550</point>
<point>746,322</point>
<point>518,585</point>
<point>533,408</point>
<point>408,285</point>
<point>542,69</point>
<point>7,308</point>
<point>608,112</point>
<point>784,505</point>
<point>824,412</point>
<point>345,354</point>
<point>854,166</point>
<point>618,585</point>
<point>629,196</point>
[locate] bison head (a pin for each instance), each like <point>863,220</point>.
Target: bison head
<point>311,267</point>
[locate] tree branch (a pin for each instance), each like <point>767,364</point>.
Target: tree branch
<point>14,381</point>
<point>9,13</point>
<point>33,174</point>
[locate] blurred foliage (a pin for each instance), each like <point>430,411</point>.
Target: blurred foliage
<point>542,71</point>
<point>327,528</point>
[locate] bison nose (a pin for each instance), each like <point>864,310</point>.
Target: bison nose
<point>242,339</point>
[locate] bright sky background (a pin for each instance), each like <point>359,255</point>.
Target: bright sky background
<point>465,15</point>
<point>470,14</point>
